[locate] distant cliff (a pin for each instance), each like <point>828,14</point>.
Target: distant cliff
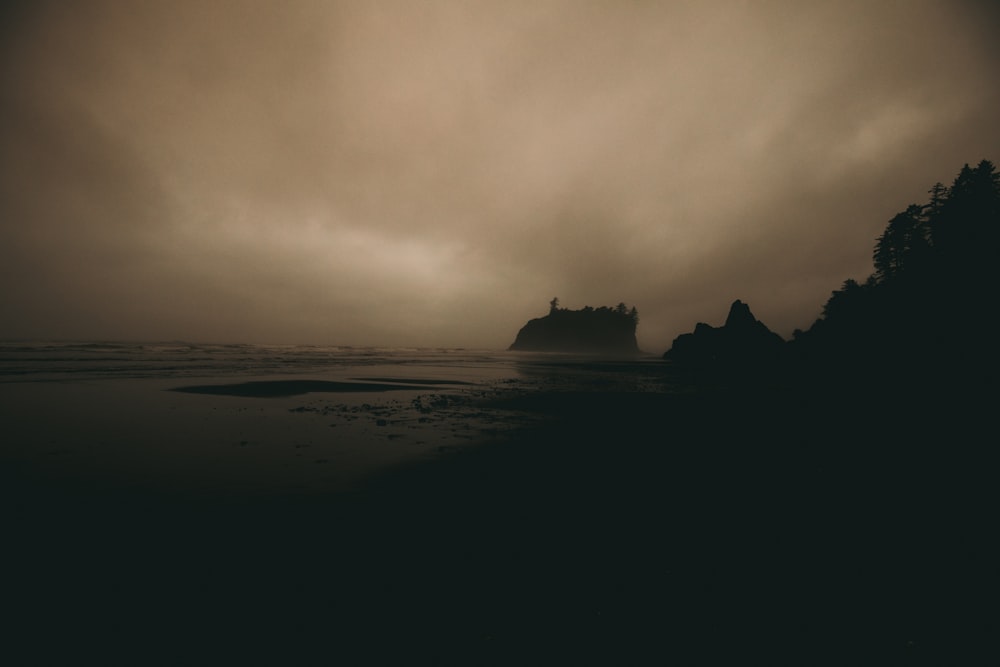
<point>589,331</point>
<point>742,339</point>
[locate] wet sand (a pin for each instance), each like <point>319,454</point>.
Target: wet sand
<point>222,438</point>
<point>589,520</point>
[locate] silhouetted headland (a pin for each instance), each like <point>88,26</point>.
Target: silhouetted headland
<point>603,331</point>
<point>917,321</point>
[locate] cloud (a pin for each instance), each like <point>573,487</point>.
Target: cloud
<point>433,173</point>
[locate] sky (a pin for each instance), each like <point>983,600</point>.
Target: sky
<point>433,173</point>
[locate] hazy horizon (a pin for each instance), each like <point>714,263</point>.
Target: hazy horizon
<point>432,174</point>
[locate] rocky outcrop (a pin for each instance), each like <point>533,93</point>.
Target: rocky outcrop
<point>743,339</point>
<point>601,331</point>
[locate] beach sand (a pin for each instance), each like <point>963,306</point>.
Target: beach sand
<point>573,517</point>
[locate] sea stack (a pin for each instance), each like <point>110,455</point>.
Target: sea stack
<point>592,331</point>
<point>741,340</point>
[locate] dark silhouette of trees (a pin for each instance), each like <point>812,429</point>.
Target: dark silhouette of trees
<point>844,299</point>
<point>935,268</point>
<point>938,194</point>
<point>904,243</point>
<point>965,225</point>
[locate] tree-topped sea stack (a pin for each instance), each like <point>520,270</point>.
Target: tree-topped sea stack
<point>603,331</point>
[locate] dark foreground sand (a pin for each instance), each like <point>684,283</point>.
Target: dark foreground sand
<point>744,524</point>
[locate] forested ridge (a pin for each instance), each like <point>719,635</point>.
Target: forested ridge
<point>930,299</point>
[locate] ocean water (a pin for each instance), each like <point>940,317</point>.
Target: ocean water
<point>31,361</point>
<point>53,361</point>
